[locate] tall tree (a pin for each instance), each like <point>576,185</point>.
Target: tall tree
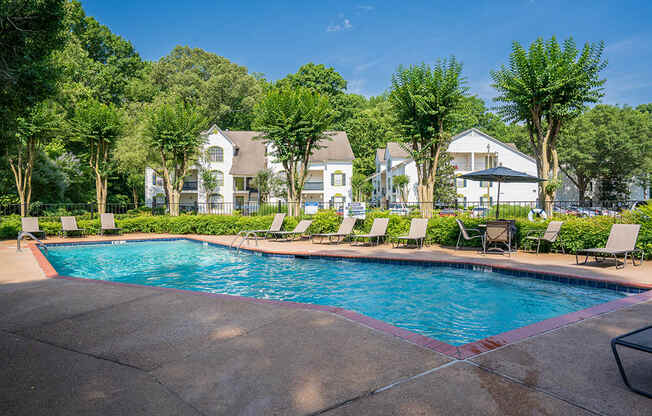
<point>97,127</point>
<point>293,121</point>
<point>226,91</point>
<point>174,133</point>
<point>95,62</point>
<point>131,155</point>
<point>30,30</point>
<point>33,132</point>
<point>426,101</point>
<point>544,87</point>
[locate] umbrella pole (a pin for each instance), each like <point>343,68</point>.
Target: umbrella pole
<point>498,202</point>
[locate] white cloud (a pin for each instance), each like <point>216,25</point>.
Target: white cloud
<point>344,25</point>
<point>355,86</point>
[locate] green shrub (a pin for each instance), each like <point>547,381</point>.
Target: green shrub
<point>576,233</point>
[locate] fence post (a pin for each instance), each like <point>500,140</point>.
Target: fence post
<point>278,206</point>
<point>92,214</point>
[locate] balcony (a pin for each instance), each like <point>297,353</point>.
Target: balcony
<point>313,186</point>
<point>189,186</point>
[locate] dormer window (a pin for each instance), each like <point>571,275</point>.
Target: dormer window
<point>216,154</point>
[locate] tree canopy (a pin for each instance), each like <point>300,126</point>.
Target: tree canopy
<point>544,87</point>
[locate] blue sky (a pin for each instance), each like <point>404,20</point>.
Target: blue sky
<point>365,41</point>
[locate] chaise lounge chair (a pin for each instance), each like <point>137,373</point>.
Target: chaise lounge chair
<point>30,225</point>
<point>621,242</point>
<point>549,235</point>
<point>299,231</point>
<point>345,230</point>
<point>107,221</point>
<point>69,226</point>
<point>418,228</point>
<point>378,231</point>
<point>464,233</point>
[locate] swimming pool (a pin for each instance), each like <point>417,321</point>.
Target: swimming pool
<point>452,304</point>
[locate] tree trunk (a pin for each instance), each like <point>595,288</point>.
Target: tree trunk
<point>134,194</point>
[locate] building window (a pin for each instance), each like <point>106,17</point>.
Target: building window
<point>216,154</point>
<point>461,183</point>
<point>239,183</point>
<point>153,178</point>
<point>219,177</point>
<point>338,179</point>
<point>483,184</point>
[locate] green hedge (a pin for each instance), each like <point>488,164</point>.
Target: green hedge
<point>576,233</point>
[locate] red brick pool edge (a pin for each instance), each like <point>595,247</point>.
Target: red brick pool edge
<point>458,352</point>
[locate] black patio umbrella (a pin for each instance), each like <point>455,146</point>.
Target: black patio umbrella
<point>501,174</point>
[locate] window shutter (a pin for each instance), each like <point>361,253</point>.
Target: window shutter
<point>343,179</point>
<point>332,179</point>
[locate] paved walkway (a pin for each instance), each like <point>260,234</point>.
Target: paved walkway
<point>84,347</point>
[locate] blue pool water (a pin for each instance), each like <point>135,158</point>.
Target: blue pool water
<point>453,305</point>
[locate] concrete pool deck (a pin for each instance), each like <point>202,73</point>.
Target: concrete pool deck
<point>83,347</point>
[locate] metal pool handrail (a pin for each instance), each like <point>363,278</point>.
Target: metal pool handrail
<point>24,234</point>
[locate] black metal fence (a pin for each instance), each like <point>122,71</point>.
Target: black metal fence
<point>507,209</point>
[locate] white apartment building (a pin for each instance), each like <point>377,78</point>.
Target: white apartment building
<point>235,158</point>
<point>471,150</point>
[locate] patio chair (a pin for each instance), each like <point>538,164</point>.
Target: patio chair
<point>549,235</point>
<point>299,231</point>
<point>345,230</point>
<point>621,242</point>
<point>69,226</point>
<point>464,233</point>
<point>276,225</point>
<point>30,225</point>
<point>107,221</point>
<point>378,231</point>
<point>418,228</point>
<point>499,233</point>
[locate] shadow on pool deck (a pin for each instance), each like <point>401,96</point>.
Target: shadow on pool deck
<point>77,347</point>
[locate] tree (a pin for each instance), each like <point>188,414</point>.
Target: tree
<point>223,89</point>
<point>264,183</point>
<point>131,155</point>
<point>544,87</point>
<point>608,144</point>
<point>29,31</point>
<point>174,133</point>
<point>361,186</point>
<point>330,84</point>
<point>95,62</point>
<point>293,122</point>
<point>426,101</point>
<point>401,182</point>
<point>32,133</point>
<point>97,127</point>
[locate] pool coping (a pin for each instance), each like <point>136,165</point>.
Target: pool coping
<point>457,352</point>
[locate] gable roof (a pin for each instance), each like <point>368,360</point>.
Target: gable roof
<point>396,151</point>
<point>337,148</point>
<point>509,146</point>
<point>250,156</point>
